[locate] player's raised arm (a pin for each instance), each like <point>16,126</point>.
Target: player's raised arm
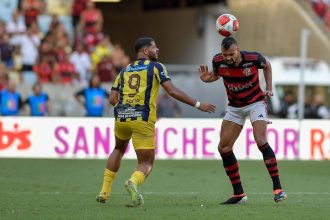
<point>183,97</point>
<point>206,75</point>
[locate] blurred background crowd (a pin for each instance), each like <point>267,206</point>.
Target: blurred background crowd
<point>39,46</point>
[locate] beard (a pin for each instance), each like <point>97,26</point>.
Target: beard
<point>231,65</point>
<point>153,56</point>
<point>153,59</point>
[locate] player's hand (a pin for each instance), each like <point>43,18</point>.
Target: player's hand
<point>204,73</point>
<point>268,93</point>
<point>206,107</point>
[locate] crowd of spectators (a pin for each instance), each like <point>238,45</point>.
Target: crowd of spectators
<point>64,51</point>
<point>322,9</point>
<point>316,109</point>
<point>38,47</point>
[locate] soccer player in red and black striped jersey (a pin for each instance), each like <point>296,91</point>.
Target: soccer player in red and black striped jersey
<point>239,70</point>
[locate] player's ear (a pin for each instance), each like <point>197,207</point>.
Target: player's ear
<point>145,50</point>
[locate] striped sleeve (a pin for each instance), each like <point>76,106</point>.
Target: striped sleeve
<point>161,73</point>
<point>261,61</point>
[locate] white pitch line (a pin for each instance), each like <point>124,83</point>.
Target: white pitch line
<point>165,193</point>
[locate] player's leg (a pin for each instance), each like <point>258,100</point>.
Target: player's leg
<point>123,135</point>
<point>259,123</point>
<point>144,144</point>
<point>228,135</point>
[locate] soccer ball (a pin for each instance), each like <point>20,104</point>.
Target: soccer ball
<point>226,24</point>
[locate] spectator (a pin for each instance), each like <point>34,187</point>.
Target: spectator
<point>288,106</point>
<point>16,26</point>
<point>91,19</point>
<point>80,59</point>
<point>10,100</point>
<point>78,7</point>
<point>38,102</point>
<point>65,72</point>
<point>318,109</point>
<point>106,69</point>
<point>93,98</point>
<point>31,11</point>
<point>167,107</point>
<point>6,51</point>
<point>17,60</point>
<point>102,49</point>
<point>29,44</point>
<point>46,49</point>
<point>44,70</point>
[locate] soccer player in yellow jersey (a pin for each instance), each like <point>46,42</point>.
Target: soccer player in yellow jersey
<point>134,95</point>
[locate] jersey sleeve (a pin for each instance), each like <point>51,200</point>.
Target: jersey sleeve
<point>161,73</point>
<point>115,85</point>
<point>261,63</point>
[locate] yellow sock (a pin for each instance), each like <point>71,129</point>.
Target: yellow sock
<point>108,178</point>
<point>137,177</point>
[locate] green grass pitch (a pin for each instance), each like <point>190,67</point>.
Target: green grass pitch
<point>192,189</point>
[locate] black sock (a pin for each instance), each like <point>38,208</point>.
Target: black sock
<point>271,164</point>
<point>231,167</point>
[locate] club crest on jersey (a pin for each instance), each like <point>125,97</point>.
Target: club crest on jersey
<point>247,71</point>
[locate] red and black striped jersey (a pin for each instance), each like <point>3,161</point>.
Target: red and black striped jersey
<point>241,82</point>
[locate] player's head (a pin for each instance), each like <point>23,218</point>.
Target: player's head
<point>145,47</point>
<point>230,51</point>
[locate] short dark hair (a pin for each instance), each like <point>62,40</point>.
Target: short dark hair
<point>142,42</point>
<point>227,42</point>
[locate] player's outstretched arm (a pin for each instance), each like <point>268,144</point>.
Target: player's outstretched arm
<point>206,75</point>
<point>183,97</point>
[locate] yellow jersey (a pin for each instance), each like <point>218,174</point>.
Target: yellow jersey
<point>138,86</point>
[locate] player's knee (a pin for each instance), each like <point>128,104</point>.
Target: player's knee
<point>224,149</point>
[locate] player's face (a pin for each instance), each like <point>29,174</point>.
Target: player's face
<point>231,56</point>
<point>153,51</point>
